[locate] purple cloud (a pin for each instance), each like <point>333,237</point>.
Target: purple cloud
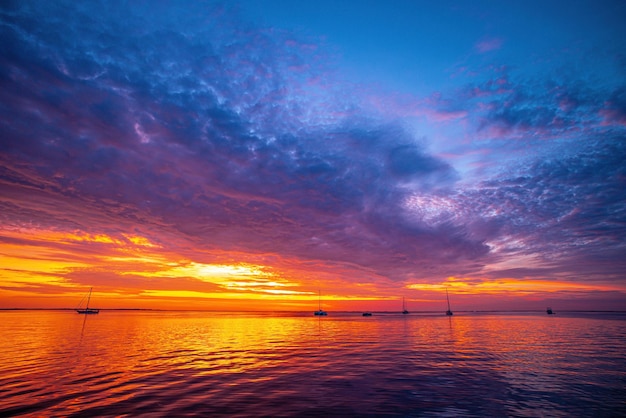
<point>204,132</point>
<point>488,45</point>
<point>214,138</point>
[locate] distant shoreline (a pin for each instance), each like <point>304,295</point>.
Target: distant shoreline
<point>306,311</point>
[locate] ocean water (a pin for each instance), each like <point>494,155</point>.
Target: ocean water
<point>176,364</point>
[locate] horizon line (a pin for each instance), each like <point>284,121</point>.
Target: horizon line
<point>339,311</point>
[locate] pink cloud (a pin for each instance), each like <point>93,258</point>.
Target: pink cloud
<point>487,45</point>
<point>612,117</point>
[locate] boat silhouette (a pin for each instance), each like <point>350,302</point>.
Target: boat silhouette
<point>448,312</point>
<point>320,311</point>
<point>87,310</point>
<point>404,311</point>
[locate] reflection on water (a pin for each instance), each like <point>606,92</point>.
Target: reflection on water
<point>56,363</point>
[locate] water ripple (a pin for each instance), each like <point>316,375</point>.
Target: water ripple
<point>203,364</point>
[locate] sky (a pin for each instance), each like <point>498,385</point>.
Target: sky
<point>251,155</point>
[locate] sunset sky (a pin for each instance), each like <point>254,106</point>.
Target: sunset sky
<point>244,155</point>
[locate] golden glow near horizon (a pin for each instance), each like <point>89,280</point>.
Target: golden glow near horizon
<point>506,285</point>
<point>232,278</point>
<point>53,255</point>
<point>133,269</point>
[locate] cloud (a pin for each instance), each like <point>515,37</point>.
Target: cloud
<point>614,110</point>
<point>566,211</point>
<point>220,141</point>
<point>207,131</point>
<point>488,45</point>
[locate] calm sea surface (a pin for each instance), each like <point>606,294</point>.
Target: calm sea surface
<point>172,364</point>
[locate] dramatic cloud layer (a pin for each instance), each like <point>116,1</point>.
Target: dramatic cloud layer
<point>173,153</point>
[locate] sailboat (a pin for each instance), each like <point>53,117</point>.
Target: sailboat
<point>448,312</point>
<point>319,311</point>
<point>404,311</point>
<point>88,310</point>
<point>549,311</point>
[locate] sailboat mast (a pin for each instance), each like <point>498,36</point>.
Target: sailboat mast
<point>319,299</point>
<point>404,311</point>
<point>89,297</point>
<point>448,298</point>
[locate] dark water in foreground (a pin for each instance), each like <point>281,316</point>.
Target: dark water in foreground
<point>56,363</point>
